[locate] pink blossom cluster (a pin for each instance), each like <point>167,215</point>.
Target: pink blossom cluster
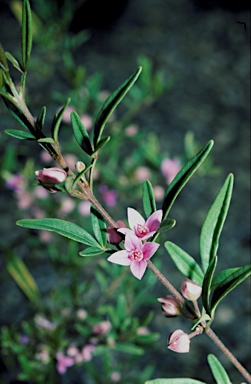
<point>137,250</point>
<point>73,356</point>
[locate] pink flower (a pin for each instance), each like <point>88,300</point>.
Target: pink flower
<point>87,352</point>
<point>87,121</point>
<point>170,168</point>
<point>135,254</point>
<point>190,290</point>
<point>16,182</point>
<point>84,208</point>
<point>50,176</point>
<point>67,114</point>
<point>141,228</point>
<point>170,306</point>
<point>63,362</point>
<point>102,328</point>
<point>142,174</point>
<point>179,341</point>
<point>108,195</point>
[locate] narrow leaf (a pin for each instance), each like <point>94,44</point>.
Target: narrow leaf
<point>22,135</point>
<point>80,133</point>
<point>203,318</point>
<point>206,287</point>
<point>218,371</point>
<point>129,348</point>
<point>57,121</point>
<point>46,140</point>
<point>3,60</point>
<point>227,281</point>
<point>26,33</point>
<point>20,273</point>
<point>99,227</point>
<point>14,61</point>
<point>166,225</point>
<point>101,144</point>
<point>183,176</point>
<point>62,227</point>
<point>41,117</point>
<point>91,251</point>
<point>110,104</point>
<point>149,203</point>
<point>80,176</point>
<point>182,380</point>
<point>213,224</point>
<point>185,263</point>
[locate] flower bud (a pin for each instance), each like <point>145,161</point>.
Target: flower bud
<point>114,237</point>
<point>178,341</point>
<point>50,176</point>
<point>190,290</point>
<point>170,306</point>
<point>80,166</point>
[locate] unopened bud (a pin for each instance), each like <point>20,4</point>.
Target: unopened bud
<point>190,290</point>
<point>50,176</point>
<point>80,166</point>
<point>114,237</point>
<point>170,306</point>
<point>178,341</point>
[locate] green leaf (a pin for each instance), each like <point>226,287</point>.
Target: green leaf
<point>206,287</point>
<point>183,176</point>
<point>99,227</point>
<point>80,133</point>
<point>149,203</point>
<point>57,121</point>
<point>22,135</point>
<point>166,225</point>
<point>203,318</point>
<point>3,60</point>
<point>62,227</point>
<point>41,117</point>
<point>129,348</point>
<point>46,140</point>
<point>92,251</point>
<point>182,380</point>
<point>20,273</point>
<point>213,224</point>
<point>110,104</point>
<point>226,281</point>
<point>218,371</point>
<point>26,33</point>
<point>101,144</point>
<point>80,176</point>
<point>185,263</point>
<point>14,61</point>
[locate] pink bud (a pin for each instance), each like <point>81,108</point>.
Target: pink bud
<point>50,176</point>
<point>190,290</point>
<point>179,341</point>
<point>170,306</point>
<point>114,237</point>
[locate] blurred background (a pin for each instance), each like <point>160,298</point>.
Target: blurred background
<point>195,87</point>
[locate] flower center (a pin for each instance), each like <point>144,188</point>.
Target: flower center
<point>141,230</point>
<point>136,255</point>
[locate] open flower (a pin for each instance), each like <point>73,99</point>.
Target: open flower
<point>141,228</point>
<point>135,254</point>
<point>179,341</point>
<point>63,362</point>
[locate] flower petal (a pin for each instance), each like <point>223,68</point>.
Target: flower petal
<point>138,268</point>
<point>132,242</point>
<point>120,257</point>
<point>153,221</point>
<point>149,249</point>
<point>134,218</point>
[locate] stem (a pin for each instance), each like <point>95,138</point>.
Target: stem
<point>228,354</point>
<point>170,287</point>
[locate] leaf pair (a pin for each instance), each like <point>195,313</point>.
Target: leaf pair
<point>225,281</point>
<point>80,132</point>
<point>74,232</point>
